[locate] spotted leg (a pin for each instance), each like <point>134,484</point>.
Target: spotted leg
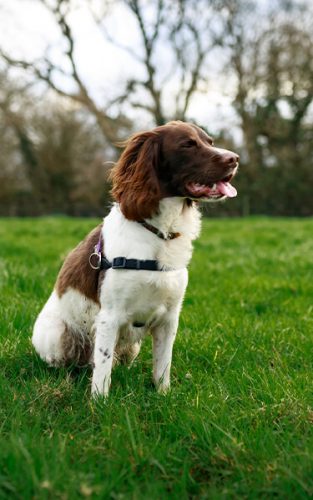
<point>105,341</point>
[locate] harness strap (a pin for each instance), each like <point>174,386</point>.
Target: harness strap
<point>135,264</point>
<point>99,262</point>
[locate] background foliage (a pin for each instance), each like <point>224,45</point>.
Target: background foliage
<point>56,135</point>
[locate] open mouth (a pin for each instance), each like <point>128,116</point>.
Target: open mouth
<point>215,190</point>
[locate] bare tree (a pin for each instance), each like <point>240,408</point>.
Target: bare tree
<point>52,157</point>
<point>273,67</point>
<point>14,103</point>
<point>273,97</point>
<point>185,29</point>
<point>47,71</point>
<point>181,29</point>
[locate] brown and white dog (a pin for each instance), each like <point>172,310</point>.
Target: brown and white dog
<point>101,316</point>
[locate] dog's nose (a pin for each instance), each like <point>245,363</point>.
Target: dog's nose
<point>230,159</point>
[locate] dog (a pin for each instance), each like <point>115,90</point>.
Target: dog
<point>128,277</point>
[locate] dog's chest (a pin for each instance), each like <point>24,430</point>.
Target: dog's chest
<point>141,300</point>
<point>142,295</point>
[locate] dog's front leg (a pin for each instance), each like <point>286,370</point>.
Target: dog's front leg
<point>105,341</point>
<point>163,339</point>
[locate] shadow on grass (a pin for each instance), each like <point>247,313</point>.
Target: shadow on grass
<point>28,367</point>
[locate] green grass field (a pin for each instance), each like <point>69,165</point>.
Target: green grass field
<point>238,421</point>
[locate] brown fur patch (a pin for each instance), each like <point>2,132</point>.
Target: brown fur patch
<point>135,182</point>
<point>76,271</point>
<point>76,348</point>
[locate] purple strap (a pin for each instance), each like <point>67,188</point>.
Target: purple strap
<point>96,256</point>
<point>98,247</point>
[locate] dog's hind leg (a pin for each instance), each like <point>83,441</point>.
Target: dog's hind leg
<point>48,333</point>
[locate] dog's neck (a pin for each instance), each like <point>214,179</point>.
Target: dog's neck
<point>125,238</point>
<point>169,216</point>
<point>176,215</point>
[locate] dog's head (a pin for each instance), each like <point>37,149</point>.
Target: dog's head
<point>176,159</point>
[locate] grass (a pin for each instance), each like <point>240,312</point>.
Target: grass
<point>238,420</point>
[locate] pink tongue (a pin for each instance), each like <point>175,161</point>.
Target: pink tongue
<point>226,189</point>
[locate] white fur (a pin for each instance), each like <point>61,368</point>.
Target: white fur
<point>72,309</point>
<point>126,296</point>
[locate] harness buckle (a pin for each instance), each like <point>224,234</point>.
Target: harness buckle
<point>119,263</point>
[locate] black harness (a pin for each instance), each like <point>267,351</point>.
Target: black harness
<point>99,262</point>
<point>134,264</point>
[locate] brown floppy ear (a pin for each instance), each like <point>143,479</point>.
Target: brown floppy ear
<point>135,182</point>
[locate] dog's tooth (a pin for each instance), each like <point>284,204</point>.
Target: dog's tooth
<point>214,187</point>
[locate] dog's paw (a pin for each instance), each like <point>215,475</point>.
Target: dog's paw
<point>99,396</point>
<point>100,388</point>
<point>53,362</point>
<point>163,388</point>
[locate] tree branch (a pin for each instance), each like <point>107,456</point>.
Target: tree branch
<point>43,70</point>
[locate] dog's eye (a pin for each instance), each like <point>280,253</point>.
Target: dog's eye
<point>189,144</point>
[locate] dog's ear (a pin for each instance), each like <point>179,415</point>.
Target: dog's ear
<point>135,181</point>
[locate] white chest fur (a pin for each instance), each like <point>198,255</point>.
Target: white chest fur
<point>131,240</point>
<point>137,294</point>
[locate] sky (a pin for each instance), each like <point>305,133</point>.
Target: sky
<point>27,29</point>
